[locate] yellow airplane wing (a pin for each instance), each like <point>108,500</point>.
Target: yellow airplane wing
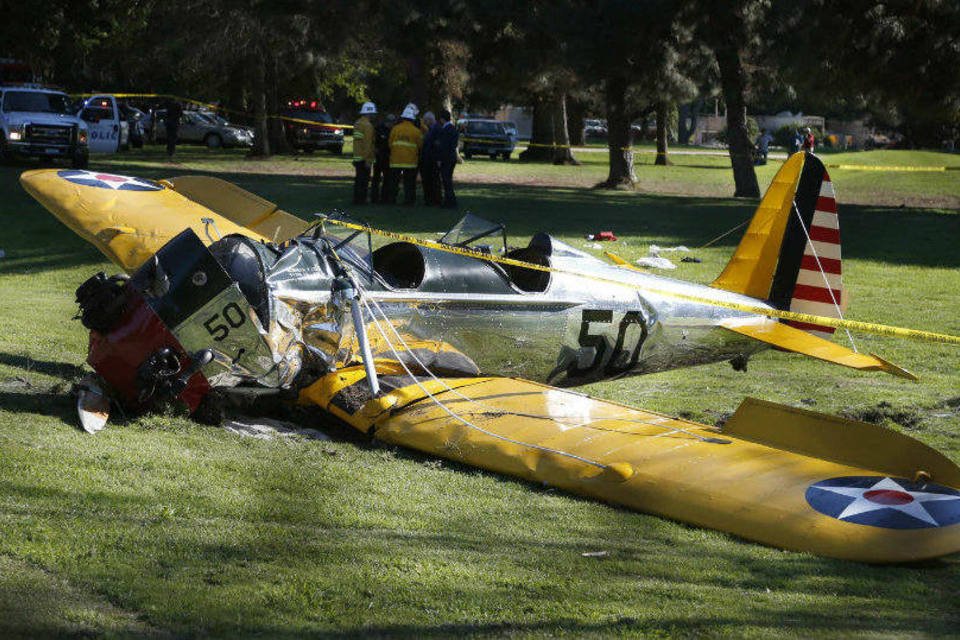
<point>774,474</point>
<point>130,219</point>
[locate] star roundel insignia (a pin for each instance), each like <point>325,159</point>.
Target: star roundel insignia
<point>108,181</point>
<point>890,503</point>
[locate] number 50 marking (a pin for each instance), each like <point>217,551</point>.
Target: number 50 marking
<point>600,345</point>
<point>234,316</point>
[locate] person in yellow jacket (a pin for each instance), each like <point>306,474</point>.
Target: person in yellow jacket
<point>364,152</point>
<point>406,140</point>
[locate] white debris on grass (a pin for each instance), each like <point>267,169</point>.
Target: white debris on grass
<point>657,250</point>
<point>268,428</point>
<point>655,262</point>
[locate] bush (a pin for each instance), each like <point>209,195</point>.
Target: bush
<point>753,131</point>
<point>784,135</point>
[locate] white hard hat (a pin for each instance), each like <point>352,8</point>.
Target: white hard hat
<point>409,112</point>
<point>368,108</point>
<point>412,107</point>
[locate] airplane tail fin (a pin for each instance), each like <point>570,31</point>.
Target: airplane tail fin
<point>790,253</point>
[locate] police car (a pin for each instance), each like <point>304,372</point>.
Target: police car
<point>106,123</point>
<point>41,123</point>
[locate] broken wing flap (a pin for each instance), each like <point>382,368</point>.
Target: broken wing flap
<point>848,442</point>
<point>239,206</point>
<point>788,338</point>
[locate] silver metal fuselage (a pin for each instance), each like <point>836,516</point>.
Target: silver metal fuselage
<point>580,329</point>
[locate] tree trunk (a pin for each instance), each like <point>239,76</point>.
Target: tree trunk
<point>277,133</point>
<point>618,141</point>
<point>417,81</point>
<point>734,81</point>
<point>235,89</point>
<point>562,153</point>
<point>689,111</point>
<point>663,110</point>
<point>575,114</point>
<point>261,141</point>
<point>540,148</point>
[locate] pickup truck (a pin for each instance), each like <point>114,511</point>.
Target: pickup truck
<point>305,136</point>
<point>41,123</point>
<point>486,137</point>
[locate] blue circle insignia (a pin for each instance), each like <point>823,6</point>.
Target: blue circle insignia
<point>108,181</point>
<point>881,501</point>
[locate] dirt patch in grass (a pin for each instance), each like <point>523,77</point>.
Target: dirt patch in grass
<point>886,414</point>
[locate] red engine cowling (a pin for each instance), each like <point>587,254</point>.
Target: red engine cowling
<point>124,356</point>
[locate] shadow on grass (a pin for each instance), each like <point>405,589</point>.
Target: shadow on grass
<point>64,370</point>
<point>870,233</point>
<point>54,405</point>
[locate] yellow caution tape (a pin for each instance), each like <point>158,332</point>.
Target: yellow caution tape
<point>866,327</point>
<point>869,167</point>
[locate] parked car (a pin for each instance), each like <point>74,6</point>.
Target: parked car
<point>325,134</point>
<point>512,131</point>
<point>593,128</point>
<point>41,123</point>
<point>485,137</point>
<point>198,127</point>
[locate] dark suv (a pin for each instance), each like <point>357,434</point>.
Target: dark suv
<point>309,137</point>
<point>485,138</point>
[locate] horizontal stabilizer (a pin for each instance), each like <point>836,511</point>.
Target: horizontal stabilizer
<point>622,262</point>
<point>788,338</point>
<point>850,442</point>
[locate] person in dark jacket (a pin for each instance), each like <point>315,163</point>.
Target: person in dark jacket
<point>381,164</point>
<point>172,123</point>
<point>429,167</point>
<point>446,152</point>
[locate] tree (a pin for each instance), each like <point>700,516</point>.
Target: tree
<point>900,62</point>
<point>730,29</point>
<point>520,57</point>
<point>626,47</point>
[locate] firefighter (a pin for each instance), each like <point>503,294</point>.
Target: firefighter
<point>406,140</point>
<point>364,152</point>
<point>381,166</point>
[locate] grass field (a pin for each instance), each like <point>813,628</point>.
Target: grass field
<point>162,527</point>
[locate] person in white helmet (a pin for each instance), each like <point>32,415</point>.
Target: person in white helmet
<point>364,152</point>
<point>406,140</point>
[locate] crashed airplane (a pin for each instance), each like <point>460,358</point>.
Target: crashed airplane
<point>449,347</point>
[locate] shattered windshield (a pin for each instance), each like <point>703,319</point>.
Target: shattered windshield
<point>472,228</point>
<point>36,102</point>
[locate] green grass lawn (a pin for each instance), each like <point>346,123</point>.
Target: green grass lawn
<point>163,527</point>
